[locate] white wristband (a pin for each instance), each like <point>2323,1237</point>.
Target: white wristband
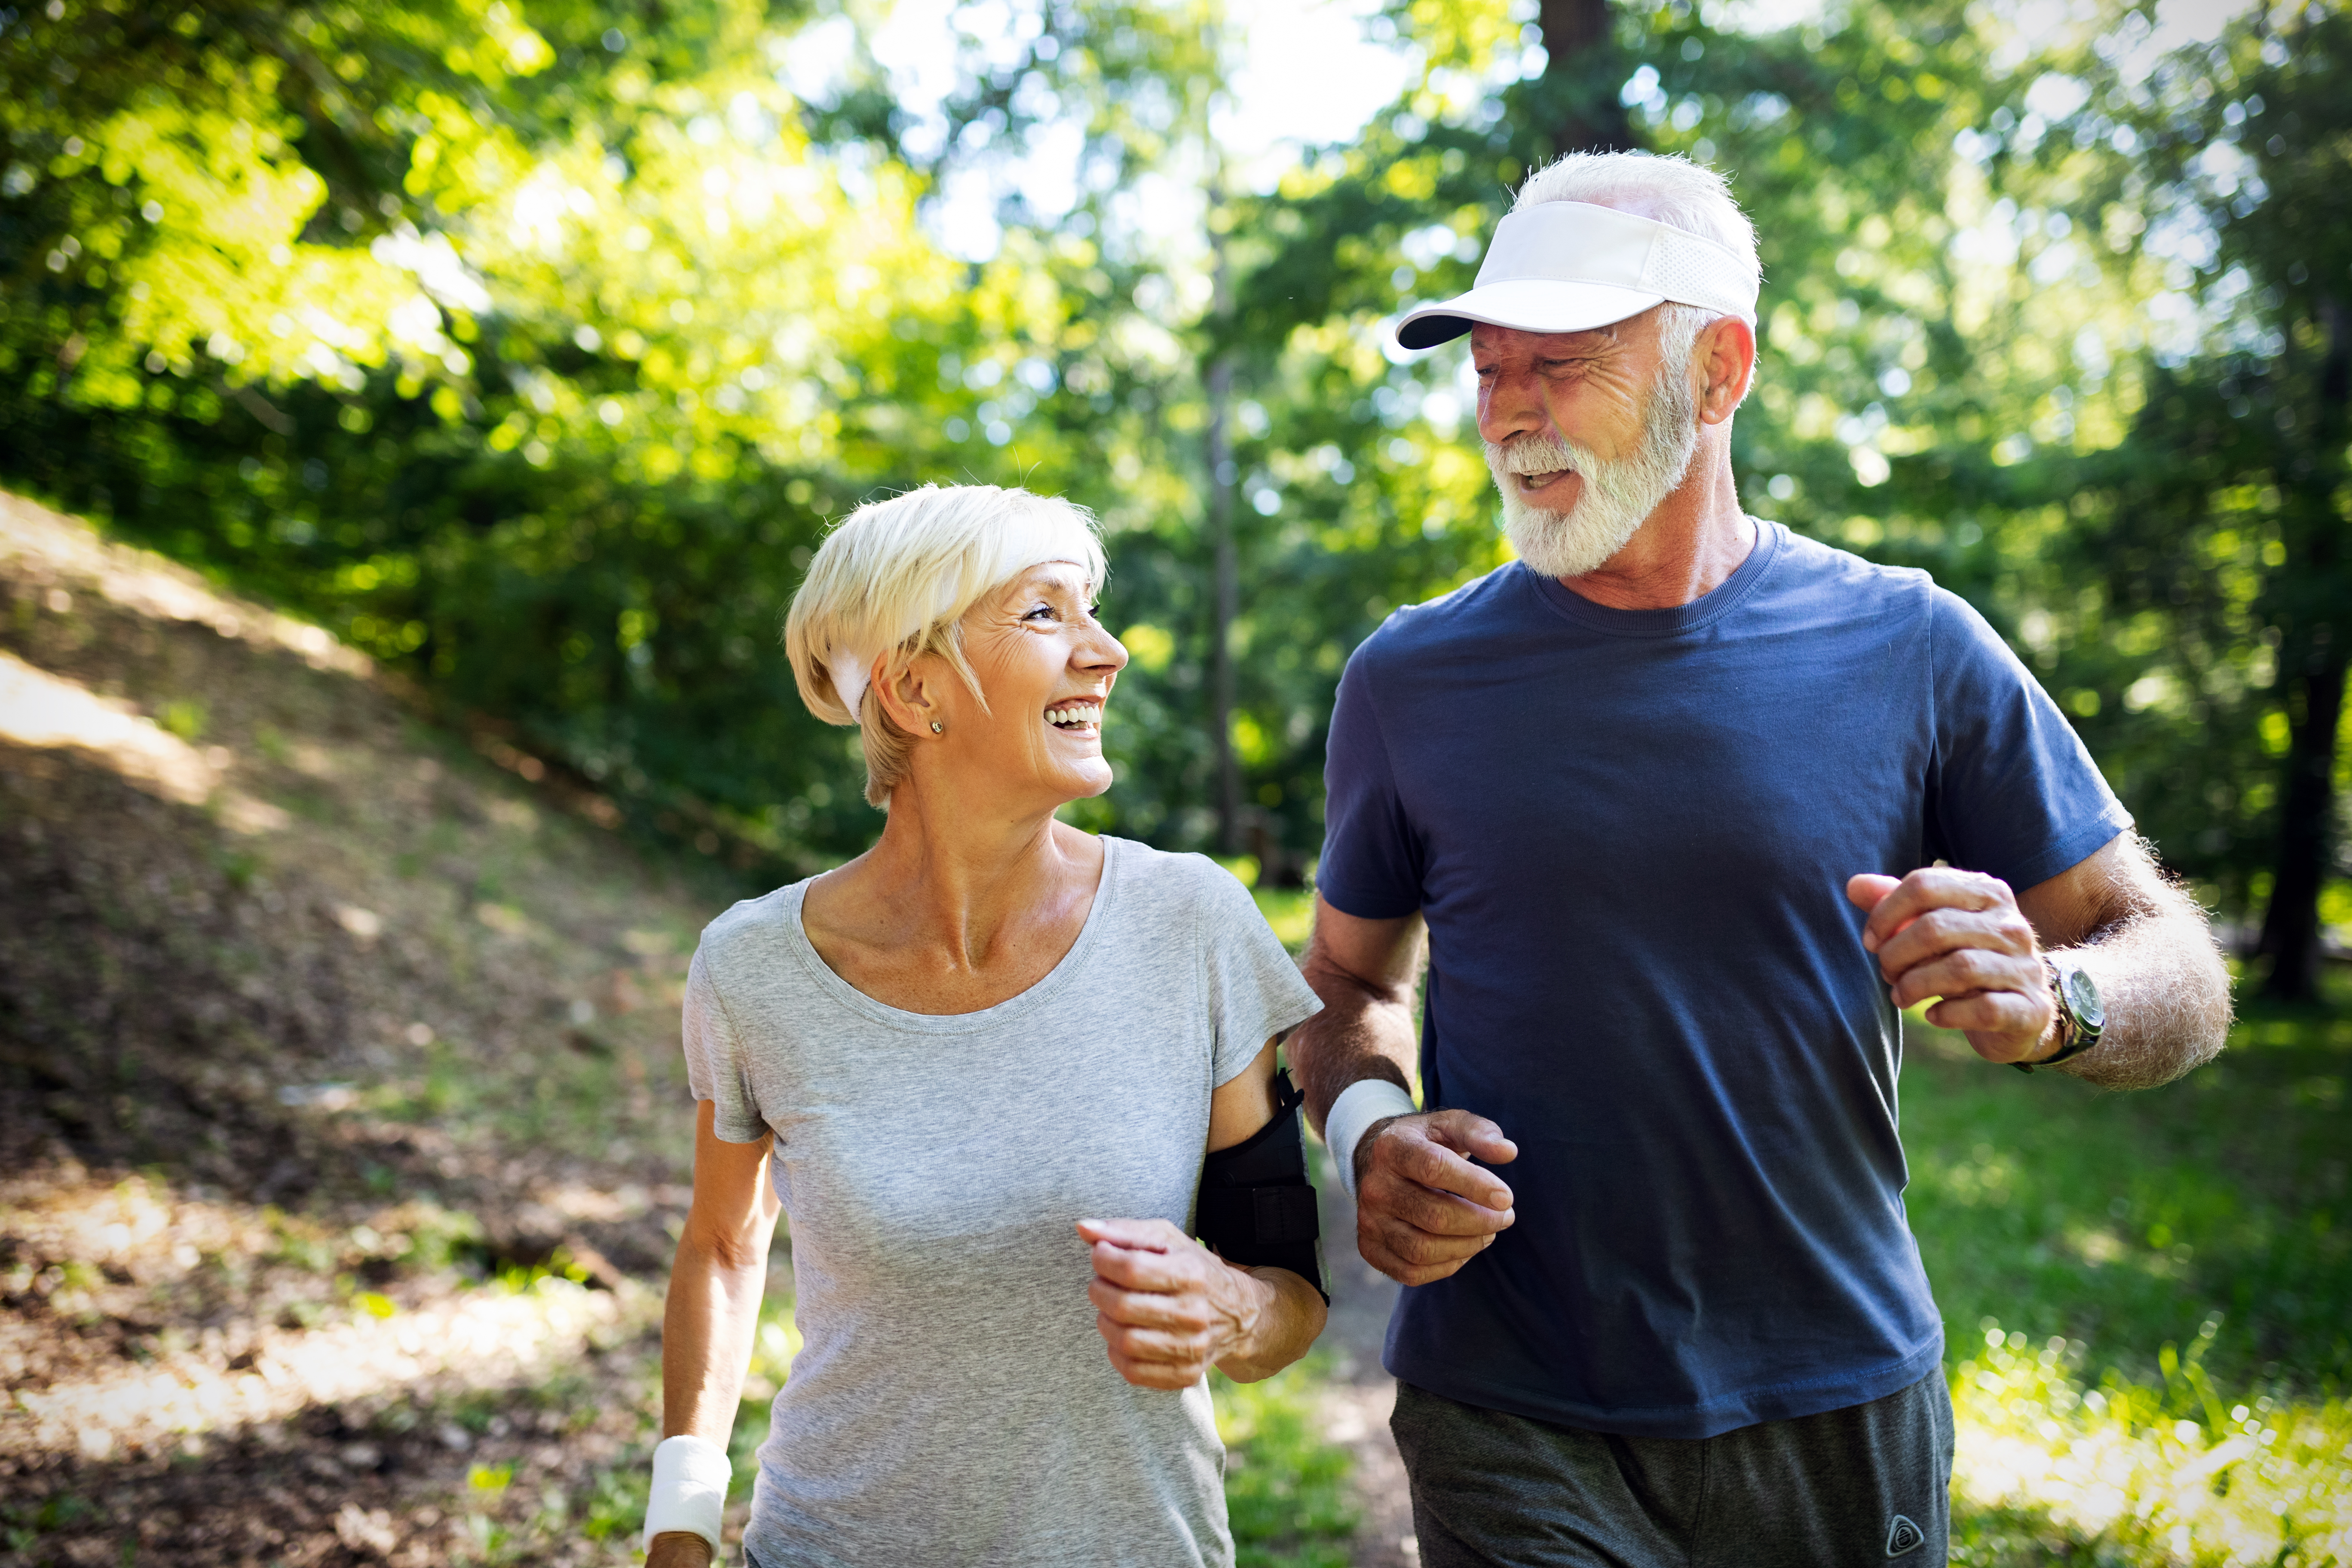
<point>1361,1103</point>
<point>689,1493</point>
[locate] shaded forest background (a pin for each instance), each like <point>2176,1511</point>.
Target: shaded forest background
<point>530,347</point>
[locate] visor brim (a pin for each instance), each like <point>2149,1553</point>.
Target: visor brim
<point>1526,304</point>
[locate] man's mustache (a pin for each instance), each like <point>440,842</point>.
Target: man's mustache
<point>1536,455</point>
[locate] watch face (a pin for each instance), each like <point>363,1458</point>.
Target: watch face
<point>2083,996</point>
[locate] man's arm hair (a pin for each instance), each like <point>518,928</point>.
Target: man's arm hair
<point>1365,971</point>
<point>2150,948</point>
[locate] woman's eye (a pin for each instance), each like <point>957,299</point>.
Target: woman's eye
<point>1041,610</point>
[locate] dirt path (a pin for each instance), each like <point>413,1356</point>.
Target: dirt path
<point>1360,1394</point>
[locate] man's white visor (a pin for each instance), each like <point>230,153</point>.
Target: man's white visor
<point>1569,266</point>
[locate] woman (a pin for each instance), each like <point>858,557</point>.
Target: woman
<point>963,1053</point>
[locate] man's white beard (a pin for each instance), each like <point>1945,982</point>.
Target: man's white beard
<point>1614,497</point>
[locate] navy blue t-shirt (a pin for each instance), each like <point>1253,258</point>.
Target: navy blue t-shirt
<point>1629,832</point>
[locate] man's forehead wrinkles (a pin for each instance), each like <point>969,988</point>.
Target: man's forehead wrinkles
<point>1513,342</point>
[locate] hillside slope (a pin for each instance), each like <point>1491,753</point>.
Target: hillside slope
<point>343,1131</point>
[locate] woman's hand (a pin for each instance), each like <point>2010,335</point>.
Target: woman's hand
<point>677,1548</point>
<point>1168,1306</point>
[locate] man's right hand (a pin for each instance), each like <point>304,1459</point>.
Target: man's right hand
<point>1423,1210</point>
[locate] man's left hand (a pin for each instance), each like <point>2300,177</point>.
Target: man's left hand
<point>1959,935</point>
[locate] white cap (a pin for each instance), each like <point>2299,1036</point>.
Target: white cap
<point>1569,266</point>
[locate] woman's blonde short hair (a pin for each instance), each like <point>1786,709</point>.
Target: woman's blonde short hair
<point>895,577</point>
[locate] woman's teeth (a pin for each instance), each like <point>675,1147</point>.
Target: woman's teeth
<point>1071,717</point>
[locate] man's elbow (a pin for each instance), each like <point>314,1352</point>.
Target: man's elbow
<point>2205,1000</point>
<point>2214,1011</point>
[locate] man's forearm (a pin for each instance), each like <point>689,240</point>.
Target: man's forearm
<point>2166,990</point>
<point>1364,1031</point>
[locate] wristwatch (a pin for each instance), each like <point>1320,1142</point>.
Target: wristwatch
<point>2081,1016</point>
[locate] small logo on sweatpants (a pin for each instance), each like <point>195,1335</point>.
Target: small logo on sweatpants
<point>1904,1536</point>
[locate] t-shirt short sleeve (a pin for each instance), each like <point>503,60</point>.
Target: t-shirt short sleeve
<point>1255,991</point>
<point>714,1060</point>
<point>2013,791</point>
<point>1372,859</point>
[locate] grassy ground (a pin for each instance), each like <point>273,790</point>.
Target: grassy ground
<point>2148,1301</point>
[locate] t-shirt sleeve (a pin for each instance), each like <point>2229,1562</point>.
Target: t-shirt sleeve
<point>1256,992</point>
<point>2012,789</point>
<point>1372,858</point>
<point>714,1060</point>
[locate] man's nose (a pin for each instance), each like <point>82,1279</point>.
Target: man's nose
<point>1509,406</point>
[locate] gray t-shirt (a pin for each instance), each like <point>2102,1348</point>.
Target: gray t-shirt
<point>952,1402</point>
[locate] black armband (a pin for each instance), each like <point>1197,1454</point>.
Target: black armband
<point>1257,1207</point>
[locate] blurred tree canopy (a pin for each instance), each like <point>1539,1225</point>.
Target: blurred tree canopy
<point>531,346</point>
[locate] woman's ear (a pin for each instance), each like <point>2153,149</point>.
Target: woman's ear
<point>912,700</point>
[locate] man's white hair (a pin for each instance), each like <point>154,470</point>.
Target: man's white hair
<point>1665,187</point>
<point>1668,188</point>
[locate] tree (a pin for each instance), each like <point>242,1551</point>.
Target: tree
<point>543,382</point>
<point>2225,512</point>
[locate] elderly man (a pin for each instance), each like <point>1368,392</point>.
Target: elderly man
<point>1655,793</point>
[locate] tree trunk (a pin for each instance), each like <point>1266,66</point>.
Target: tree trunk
<point>1225,602</point>
<point>2291,925</point>
<point>2315,652</point>
<point>1579,108</point>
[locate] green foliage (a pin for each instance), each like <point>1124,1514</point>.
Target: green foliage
<point>561,435</point>
<point>2052,1472</point>
<point>532,349</point>
<point>1285,1488</point>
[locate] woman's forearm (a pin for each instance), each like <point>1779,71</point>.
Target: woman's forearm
<point>707,1324</point>
<point>1291,1316</point>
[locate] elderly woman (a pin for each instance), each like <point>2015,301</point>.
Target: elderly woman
<point>991,1067</point>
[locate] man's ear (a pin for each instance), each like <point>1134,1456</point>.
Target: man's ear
<point>1725,357</point>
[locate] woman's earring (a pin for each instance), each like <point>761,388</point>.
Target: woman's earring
<point>937,728</point>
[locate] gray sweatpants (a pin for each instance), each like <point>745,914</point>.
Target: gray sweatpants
<point>1863,1485</point>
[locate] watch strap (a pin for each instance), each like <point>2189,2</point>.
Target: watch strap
<point>2075,1036</point>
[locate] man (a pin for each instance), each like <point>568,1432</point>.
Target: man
<point>1655,793</point>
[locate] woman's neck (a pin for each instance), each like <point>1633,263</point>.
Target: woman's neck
<point>956,907</point>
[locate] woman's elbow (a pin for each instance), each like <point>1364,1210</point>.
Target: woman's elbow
<point>722,1250</point>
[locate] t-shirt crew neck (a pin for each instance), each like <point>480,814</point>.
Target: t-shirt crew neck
<point>1717,602</point>
<point>1001,1015</point>
<point>1630,834</point>
<point>951,1402</point>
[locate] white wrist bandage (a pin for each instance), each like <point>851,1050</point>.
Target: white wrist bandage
<point>1361,1103</point>
<point>689,1494</point>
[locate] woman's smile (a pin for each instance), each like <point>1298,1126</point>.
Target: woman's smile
<point>1077,716</point>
